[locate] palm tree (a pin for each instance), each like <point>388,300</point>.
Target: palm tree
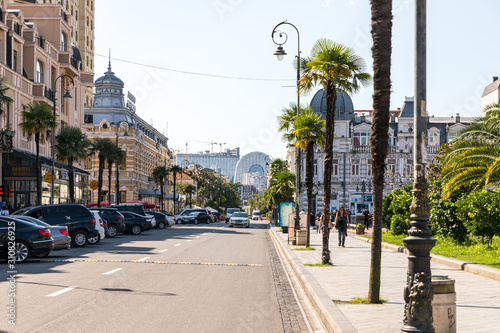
<point>308,130</point>
<point>159,175</point>
<point>474,157</point>
<point>104,148</point>
<point>38,119</point>
<point>4,98</point>
<point>120,159</point>
<point>189,190</point>
<point>175,169</point>
<point>71,146</point>
<point>337,68</point>
<point>381,33</point>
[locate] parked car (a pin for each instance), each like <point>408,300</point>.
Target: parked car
<point>239,218</point>
<point>114,219</point>
<point>256,215</point>
<point>27,239</point>
<point>170,219</point>
<point>161,219</point>
<point>59,233</point>
<point>184,219</point>
<point>79,220</point>
<point>135,223</point>
<point>217,216</point>
<point>188,211</point>
<point>99,225</point>
<point>137,208</point>
<point>229,213</point>
<point>200,217</point>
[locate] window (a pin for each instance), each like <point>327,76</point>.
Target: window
<point>361,138</point>
<point>355,167</point>
<point>39,71</point>
<point>370,169</point>
<point>63,42</point>
<point>391,166</point>
<point>315,167</point>
<point>15,62</point>
<point>335,169</point>
<point>433,139</point>
<point>452,136</point>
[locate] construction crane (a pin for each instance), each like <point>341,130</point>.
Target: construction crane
<point>212,143</point>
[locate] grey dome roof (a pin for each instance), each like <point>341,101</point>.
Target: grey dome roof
<point>109,91</point>
<point>344,107</point>
<point>109,77</point>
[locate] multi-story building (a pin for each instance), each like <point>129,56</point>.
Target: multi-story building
<point>145,146</point>
<point>33,55</point>
<point>352,163</point>
<point>223,163</point>
<point>491,95</point>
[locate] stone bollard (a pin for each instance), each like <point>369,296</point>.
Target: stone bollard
<point>444,307</point>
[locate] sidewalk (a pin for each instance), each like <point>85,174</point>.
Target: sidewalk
<point>478,308</point>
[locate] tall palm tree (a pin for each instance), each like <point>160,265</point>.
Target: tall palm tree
<point>381,50</point>
<point>71,146</point>
<point>336,68</point>
<point>175,169</point>
<point>104,148</point>
<point>190,190</point>
<point>37,120</point>
<point>308,131</point>
<point>474,157</point>
<point>4,98</point>
<point>120,159</point>
<point>159,175</point>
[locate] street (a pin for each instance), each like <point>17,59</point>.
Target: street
<point>190,288</point>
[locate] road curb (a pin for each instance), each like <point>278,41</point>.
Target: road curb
<point>489,272</point>
<point>330,315</point>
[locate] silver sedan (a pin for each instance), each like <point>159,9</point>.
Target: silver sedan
<point>239,218</point>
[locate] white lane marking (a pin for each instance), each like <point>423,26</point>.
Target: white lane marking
<point>143,258</point>
<point>57,293</point>
<point>197,237</point>
<point>189,240</point>
<point>112,271</point>
<point>163,250</point>
<point>178,244</point>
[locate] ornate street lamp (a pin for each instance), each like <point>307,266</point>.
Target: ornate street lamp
<point>69,87</point>
<point>418,292</point>
<point>280,53</point>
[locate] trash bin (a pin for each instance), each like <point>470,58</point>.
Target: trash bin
<point>444,307</point>
<point>301,237</point>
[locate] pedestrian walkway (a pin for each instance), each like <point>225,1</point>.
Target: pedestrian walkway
<point>478,307</point>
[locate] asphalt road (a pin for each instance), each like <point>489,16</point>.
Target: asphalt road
<point>183,292</point>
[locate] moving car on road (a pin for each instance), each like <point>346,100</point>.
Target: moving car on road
<point>239,218</point>
<point>187,212</point>
<point>59,233</point>
<point>27,239</point>
<point>256,215</point>
<point>230,212</point>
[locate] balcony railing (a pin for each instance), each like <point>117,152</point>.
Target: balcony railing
<point>17,28</point>
<point>432,149</point>
<point>48,93</point>
<point>41,42</point>
<point>74,62</point>
<point>361,149</point>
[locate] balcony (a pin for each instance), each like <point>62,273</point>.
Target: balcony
<point>69,64</point>
<point>42,94</point>
<point>432,149</point>
<point>361,149</point>
<point>41,42</point>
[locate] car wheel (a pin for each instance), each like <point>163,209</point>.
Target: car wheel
<point>248,225</point>
<point>161,225</point>
<point>79,239</point>
<point>22,251</point>
<point>195,221</point>
<point>136,229</point>
<point>95,240</point>
<point>112,230</point>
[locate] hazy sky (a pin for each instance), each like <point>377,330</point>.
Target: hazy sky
<point>232,38</point>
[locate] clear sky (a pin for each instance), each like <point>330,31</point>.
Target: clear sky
<point>233,38</point>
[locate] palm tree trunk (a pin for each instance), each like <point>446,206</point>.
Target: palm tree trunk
<point>309,186</point>
<point>71,181</point>
<point>110,170</point>
<point>175,176</point>
<point>162,202</point>
<point>331,100</point>
<point>99,180</point>
<point>381,33</point>
<point>39,171</point>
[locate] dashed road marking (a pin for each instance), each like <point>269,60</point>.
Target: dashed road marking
<point>62,291</point>
<point>189,240</point>
<point>112,271</point>
<point>144,258</point>
<point>145,262</point>
<point>179,244</point>
<point>163,250</point>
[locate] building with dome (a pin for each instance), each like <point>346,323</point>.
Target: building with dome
<point>352,169</point>
<point>110,117</point>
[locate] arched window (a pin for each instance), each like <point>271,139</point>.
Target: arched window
<point>433,139</point>
<point>39,71</point>
<point>63,42</point>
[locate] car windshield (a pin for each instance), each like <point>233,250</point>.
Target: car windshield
<point>238,214</point>
<point>232,210</point>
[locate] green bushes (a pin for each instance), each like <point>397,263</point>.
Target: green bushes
<point>396,210</point>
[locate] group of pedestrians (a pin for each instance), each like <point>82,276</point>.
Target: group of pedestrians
<point>339,219</point>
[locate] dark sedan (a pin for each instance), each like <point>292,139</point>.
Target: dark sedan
<point>59,233</point>
<point>201,217</point>
<point>114,219</point>
<point>20,239</point>
<point>161,219</point>
<point>135,223</point>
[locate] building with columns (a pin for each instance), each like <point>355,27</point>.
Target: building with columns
<point>352,169</point>
<point>145,147</point>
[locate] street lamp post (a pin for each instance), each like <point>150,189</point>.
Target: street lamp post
<point>54,99</point>
<point>280,53</point>
<point>418,292</point>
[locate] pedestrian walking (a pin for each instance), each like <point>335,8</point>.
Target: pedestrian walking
<point>348,211</point>
<point>5,210</point>
<point>341,225</point>
<point>367,216</point>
